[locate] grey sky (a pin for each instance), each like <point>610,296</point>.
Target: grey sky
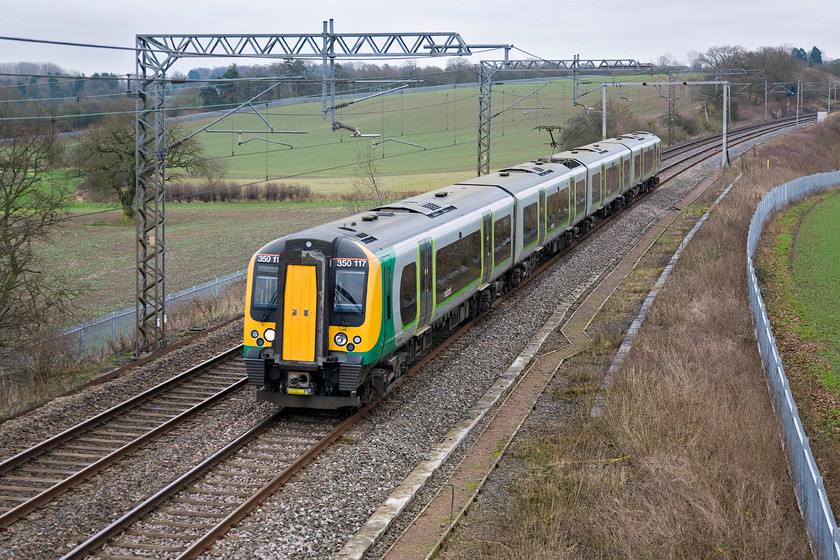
<point>548,29</point>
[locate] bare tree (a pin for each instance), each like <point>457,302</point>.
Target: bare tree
<point>368,186</point>
<point>32,205</point>
<point>107,155</point>
<point>724,56</point>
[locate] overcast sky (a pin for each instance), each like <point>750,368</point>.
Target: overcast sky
<point>548,29</point>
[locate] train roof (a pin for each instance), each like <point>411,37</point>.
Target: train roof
<point>383,227</point>
<point>519,179</point>
<point>389,225</point>
<point>597,152</point>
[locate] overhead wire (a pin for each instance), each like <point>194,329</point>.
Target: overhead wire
<point>74,79</point>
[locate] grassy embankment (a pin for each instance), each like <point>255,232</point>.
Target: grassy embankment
<point>686,461</point>
<point>800,276</point>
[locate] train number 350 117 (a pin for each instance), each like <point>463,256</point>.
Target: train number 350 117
<point>348,263</point>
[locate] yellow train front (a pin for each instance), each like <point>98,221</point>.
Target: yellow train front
<point>307,343</point>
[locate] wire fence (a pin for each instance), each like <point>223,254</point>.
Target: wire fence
<point>92,338</point>
<point>816,512</point>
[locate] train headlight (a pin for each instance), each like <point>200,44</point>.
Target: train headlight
<point>340,339</point>
<point>269,335</point>
<point>357,339</point>
<point>255,334</point>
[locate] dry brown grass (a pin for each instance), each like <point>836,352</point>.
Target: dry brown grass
<point>51,372</point>
<point>54,372</point>
<point>686,461</point>
<point>202,313</point>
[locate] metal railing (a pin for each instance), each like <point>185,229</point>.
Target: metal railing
<point>95,337</point>
<point>816,512</point>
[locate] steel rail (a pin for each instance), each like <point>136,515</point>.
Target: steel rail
<point>101,419</point>
<point>748,133</point>
<point>162,496</point>
<point>713,138</point>
<point>734,134</point>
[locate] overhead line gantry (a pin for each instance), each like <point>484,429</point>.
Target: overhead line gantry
<point>487,69</point>
<point>155,54</point>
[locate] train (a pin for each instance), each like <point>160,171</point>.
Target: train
<point>336,313</point>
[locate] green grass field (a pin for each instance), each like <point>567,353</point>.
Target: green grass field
<point>95,254</point>
<point>815,267</point>
<point>444,123</point>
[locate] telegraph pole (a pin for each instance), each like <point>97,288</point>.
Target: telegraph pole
<point>725,148</point>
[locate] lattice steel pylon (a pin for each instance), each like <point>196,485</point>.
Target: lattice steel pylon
<point>488,68</point>
<point>149,211</point>
<point>157,53</point>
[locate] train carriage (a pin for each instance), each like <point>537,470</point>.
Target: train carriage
<point>334,313</point>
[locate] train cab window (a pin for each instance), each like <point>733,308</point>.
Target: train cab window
<point>501,240</point>
<point>557,209</point>
<point>408,294</point>
<point>264,291</point>
<point>580,195</point>
<point>349,296</point>
<point>530,224</point>
<point>457,265</point>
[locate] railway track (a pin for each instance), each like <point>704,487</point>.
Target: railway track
<point>146,532</point>
<point>203,504</point>
<point>37,475</point>
<point>690,150</point>
<point>188,515</point>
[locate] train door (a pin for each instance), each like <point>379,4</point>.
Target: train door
<point>388,293</point>
<point>426,284</point>
<point>300,320</point>
<point>541,219</point>
<point>487,252</point>
<point>299,313</point>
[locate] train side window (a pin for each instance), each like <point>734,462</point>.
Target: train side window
<point>501,240</point>
<point>530,224</point>
<point>612,179</point>
<point>596,187</point>
<point>580,195</point>
<point>626,181</point>
<point>637,166</point>
<point>458,265</point>
<point>408,294</point>
<point>557,209</point>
